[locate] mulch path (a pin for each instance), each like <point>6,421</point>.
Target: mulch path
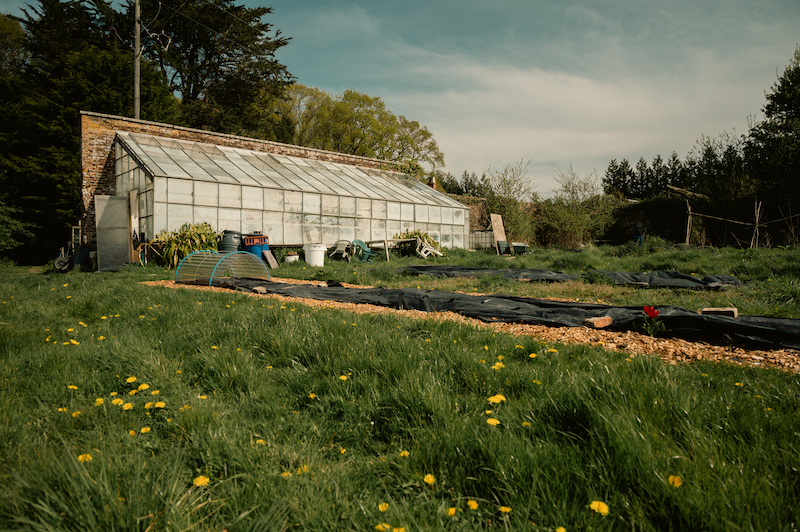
<point>672,350</point>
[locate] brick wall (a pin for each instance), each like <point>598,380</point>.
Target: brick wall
<point>97,154</point>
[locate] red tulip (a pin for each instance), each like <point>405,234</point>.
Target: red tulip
<point>651,312</point>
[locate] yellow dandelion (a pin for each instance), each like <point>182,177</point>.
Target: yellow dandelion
<point>74,342</point>
<point>429,479</point>
<point>133,392</point>
<point>261,442</point>
<point>132,432</point>
<point>487,412</point>
<point>675,480</point>
<point>214,347</point>
<point>103,317</point>
<point>99,401</point>
<point>312,395</point>
<point>101,338</point>
<point>160,404</point>
<point>127,406</point>
<point>76,414</point>
<point>201,481</point>
<point>130,379</point>
<point>486,348</point>
<point>342,450</point>
<point>63,409</point>
<point>202,397</point>
<point>473,505</point>
<point>551,350</point>
<point>286,474</point>
<point>526,424</point>
<point>535,381</point>
<point>185,407</point>
<point>519,347</point>
<point>117,401</point>
<point>533,355</point>
<point>739,384</point>
<point>399,529</point>
<point>155,392</point>
<point>383,506</point>
<point>145,430</point>
<point>505,509</point>
<point>383,527</point>
<point>599,507</point>
<point>86,457</point>
<point>403,454</point>
<point>143,386</point>
<point>148,405</point>
<point>72,387</point>
<point>561,529</point>
<point>451,511</point>
<point>495,399</point>
<point>70,329</point>
<point>493,422</point>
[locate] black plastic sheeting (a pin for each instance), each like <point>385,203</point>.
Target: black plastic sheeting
<point>752,331</point>
<point>656,279</point>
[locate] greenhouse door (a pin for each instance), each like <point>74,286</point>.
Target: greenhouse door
<point>113,219</point>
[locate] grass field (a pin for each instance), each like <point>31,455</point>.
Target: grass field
<point>125,406</point>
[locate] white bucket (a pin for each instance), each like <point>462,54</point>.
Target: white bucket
<point>315,254</point>
<point>291,258</point>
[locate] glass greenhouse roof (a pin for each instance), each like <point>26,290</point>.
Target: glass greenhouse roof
<point>164,157</point>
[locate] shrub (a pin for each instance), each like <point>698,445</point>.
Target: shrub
<point>172,246</point>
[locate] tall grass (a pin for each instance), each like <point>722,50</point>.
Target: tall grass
<point>313,418</point>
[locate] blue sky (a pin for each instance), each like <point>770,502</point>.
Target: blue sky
<point>558,83</point>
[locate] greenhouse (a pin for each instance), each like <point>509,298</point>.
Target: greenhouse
<point>143,177</point>
<point>292,200</point>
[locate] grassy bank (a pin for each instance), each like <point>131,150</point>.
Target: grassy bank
<point>249,414</point>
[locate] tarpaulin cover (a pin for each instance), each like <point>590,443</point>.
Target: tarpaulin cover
<point>753,331</point>
<point>656,279</point>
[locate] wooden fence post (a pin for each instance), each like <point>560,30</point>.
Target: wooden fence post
<point>688,222</point>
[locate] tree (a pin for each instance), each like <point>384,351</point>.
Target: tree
<point>772,148</point>
<point>618,179</point>
<point>69,63</point>
<point>359,124</point>
<point>219,57</point>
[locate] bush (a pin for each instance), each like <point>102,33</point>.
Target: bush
<point>172,246</point>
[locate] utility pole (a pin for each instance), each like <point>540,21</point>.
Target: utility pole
<point>137,53</point>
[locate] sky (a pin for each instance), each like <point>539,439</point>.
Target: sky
<point>560,84</point>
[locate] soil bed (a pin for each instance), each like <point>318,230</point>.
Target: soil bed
<point>670,350</point>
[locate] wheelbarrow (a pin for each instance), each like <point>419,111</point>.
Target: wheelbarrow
<point>67,257</point>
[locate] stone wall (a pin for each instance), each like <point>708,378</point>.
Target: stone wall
<point>97,155</point>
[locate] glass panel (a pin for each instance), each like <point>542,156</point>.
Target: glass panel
<point>293,201</point>
<point>330,205</point>
<point>273,199</point>
<point>252,198</point>
<point>312,203</point>
<point>230,196</point>
<point>205,214</point>
<point>379,209</point>
<point>179,191</point>
<point>206,193</point>
<point>347,206</point>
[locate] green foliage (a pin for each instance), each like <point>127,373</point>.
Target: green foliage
<point>11,228</point>
<point>221,61</point>
<point>172,246</point>
<point>253,400</point>
<point>358,124</point>
<point>578,214</point>
<point>66,64</point>
<point>773,145</point>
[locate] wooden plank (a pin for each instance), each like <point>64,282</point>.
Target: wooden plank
<point>498,230</point>
<point>270,258</point>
